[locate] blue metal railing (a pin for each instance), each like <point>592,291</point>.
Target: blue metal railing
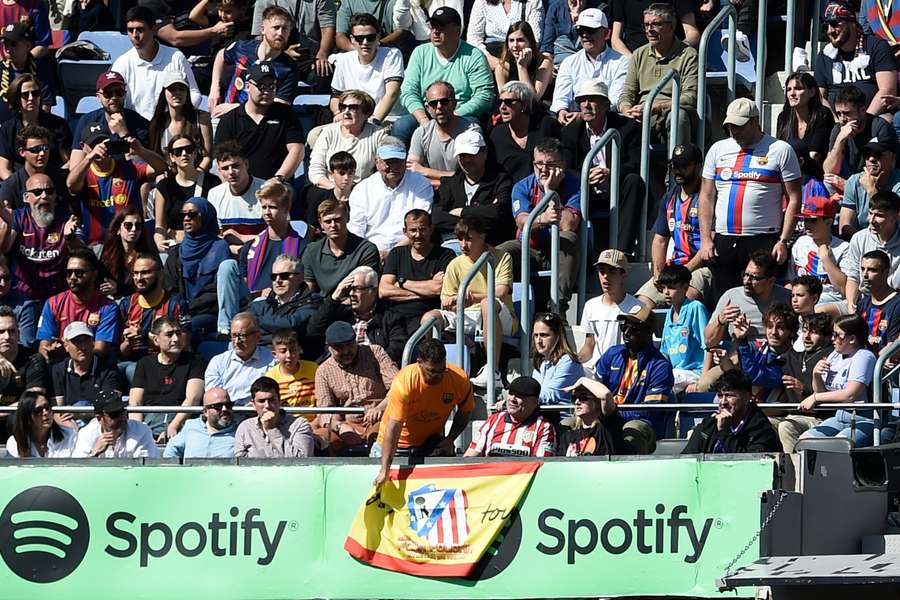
<point>489,342</point>
<point>880,380</point>
<point>413,341</point>
<point>525,270</point>
<point>760,92</point>
<point>730,13</point>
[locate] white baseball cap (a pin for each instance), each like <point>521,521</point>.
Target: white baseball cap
<point>469,141</point>
<point>593,18</point>
<point>77,329</point>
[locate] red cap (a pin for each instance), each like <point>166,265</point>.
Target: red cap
<point>109,78</point>
<point>815,207</point>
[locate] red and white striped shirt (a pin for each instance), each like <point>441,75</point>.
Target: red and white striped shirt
<point>500,436</point>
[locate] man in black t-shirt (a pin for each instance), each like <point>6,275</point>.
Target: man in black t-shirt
<point>414,273</point>
<point>20,369</point>
<point>853,130</point>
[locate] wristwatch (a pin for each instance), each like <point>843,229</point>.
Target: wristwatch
<point>401,281</point>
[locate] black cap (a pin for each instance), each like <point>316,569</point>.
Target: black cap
<point>339,332</point>
<point>686,154</point>
<point>109,401</point>
<point>525,386</point>
<point>877,146</point>
<point>93,134</point>
<point>445,16</point>
<point>256,73</point>
<point>16,32</point>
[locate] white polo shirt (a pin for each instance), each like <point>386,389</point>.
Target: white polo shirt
<point>377,211</point>
<point>144,79</point>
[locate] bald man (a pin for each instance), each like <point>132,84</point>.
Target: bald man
<point>210,436</point>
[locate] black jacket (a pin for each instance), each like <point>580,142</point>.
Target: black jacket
<point>757,435</point>
<point>576,143</point>
<point>492,202</point>
<point>293,314</point>
<point>383,330</point>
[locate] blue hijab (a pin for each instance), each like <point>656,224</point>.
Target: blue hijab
<point>199,245</point>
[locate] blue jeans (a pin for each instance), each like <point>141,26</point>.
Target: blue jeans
<point>839,426</point>
<point>404,127</point>
<point>231,289</point>
<point>27,314</point>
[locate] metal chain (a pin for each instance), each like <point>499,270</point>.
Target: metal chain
<point>781,496</point>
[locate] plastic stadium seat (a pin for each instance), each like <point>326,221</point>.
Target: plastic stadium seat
<point>59,107</point>
<point>453,357</point>
<point>670,446</point>
<point>87,104</point>
<point>78,79</point>
<point>689,420</point>
<point>113,42</point>
<point>210,348</point>
<point>832,444</point>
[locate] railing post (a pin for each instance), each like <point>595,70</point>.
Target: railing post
<point>610,137</point>
<point>727,12</point>
<point>879,379</point>
<point>789,37</point>
<point>413,341</point>
<point>525,272</point>
<point>760,92</point>
<point>815,33</point>
<point>645,142</point>
<point>486,257</point>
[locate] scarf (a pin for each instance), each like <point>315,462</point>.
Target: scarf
<point>290,245</point>
<point>197,245</point>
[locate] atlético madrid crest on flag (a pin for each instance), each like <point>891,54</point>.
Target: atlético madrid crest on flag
<point>438,521</point>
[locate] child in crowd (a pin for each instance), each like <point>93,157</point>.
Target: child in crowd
<point>296,378</point>
<point>682,337</point>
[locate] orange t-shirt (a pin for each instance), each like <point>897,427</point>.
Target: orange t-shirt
<point>423,409</point>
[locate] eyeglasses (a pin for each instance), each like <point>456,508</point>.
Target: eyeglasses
<point>586,30</point>
<point>38,149</point>
<point>31,94</point>
<point>182,150</point>
<point>361,288</point>
<point>220,406</point>
<point>286,276</point>
<point>369,37</point>
<point>243,336</point>
<point>37,410</point>
<point>656,26</point>
<point>265,87</point>
<point>549,164</point>
<point>190,214</point>
<point>354,107</point>
<point>113,93</point>
<point>38,192</point>
<point>753,277</point>
<point>439,102</point>
<point>129,225</point>
<point>79,273</point>
<point>509,101</point>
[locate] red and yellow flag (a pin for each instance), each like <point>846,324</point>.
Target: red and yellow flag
<point>437,521</point>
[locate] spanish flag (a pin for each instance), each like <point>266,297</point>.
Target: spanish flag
<point>438,521</point>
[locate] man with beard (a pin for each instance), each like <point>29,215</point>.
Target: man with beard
<point>81,302</point>
<point>168,378</point>
<point>414,272</point>
<point>579,136</point>
<point>431,149</point>
<point>242,55</point>
<point>879,173</point>
<point>20,369</point>
<point>111,434</point>
<point>679,221</point>
<point>150,302</point>
<point>210,436</point>
<point>353,375</point>
<point>33,145</point>
<point>37,240</point>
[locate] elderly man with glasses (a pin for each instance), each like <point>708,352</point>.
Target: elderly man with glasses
<point>243,363</point>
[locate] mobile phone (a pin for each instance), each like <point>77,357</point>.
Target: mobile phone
<point>117,147</point>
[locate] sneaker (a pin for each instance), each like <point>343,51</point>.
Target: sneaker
<point>742,52</point>
<point>481,379</point>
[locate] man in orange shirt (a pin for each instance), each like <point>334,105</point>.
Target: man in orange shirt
<point>420,400</point>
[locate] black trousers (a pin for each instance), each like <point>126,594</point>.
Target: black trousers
<point>631,198</point>
<point>733,254</point>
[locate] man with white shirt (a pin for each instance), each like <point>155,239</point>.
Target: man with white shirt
<point>235,201</point>
<point>595,60</point>
<point>818,253</point>
<point>145,65</point>
<point>111,434</point>
<point>380,201</point>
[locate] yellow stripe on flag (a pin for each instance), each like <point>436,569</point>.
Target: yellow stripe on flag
<point>437,521</point>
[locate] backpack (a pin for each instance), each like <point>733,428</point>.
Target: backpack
<point>82,50</point>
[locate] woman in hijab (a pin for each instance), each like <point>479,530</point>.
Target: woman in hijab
<point>192,265</point>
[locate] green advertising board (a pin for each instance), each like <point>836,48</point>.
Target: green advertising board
<point>648,527</point>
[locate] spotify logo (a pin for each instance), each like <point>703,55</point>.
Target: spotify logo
<point>44,534</point>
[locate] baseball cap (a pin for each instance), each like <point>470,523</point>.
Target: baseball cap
<point>389,151</point>
<point>877,146</point>
<point>593,18</point>
<point>525,386</point>
<point>445,16</point>
<point>173,77</point>
<point>76,329</point>
<point>740,112</point>
<point>686,154</point>
<point>109,78</point>
<point>639,313</point>
<point>838,11</point>
<point>339,332</point>
<point>468,142</point>
<point>613,258</point>
<point>16,32</point>
<point>816,207</point>
<point>592,87</point>
<point>109,401</point>
<point>93,134</point>
<point>256,73</point>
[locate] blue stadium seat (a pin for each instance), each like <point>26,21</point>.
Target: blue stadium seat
<point>78,79</point>
<point>206,350</point>
<point>113,42</point>
<point>453,357</point>
<point>59,107</point>
<point>689,420</point>
<point>87,104</point>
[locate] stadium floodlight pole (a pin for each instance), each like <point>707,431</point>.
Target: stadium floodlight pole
<point>760,92</point>
<point>525,272</point>
<point>877,394</point>
<point>488,259</point>
<point>612,137</point>
<point>675,78</point>
<point>413,341</point>
<point>789,36</point>
<point>730,13</point>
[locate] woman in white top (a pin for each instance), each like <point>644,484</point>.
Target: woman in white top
<point>35,433</point>
<point>490,20</point>
<point>521,60</point>
<point>844,376</point>
<point>352,133</point>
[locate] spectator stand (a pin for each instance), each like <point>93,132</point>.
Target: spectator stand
<point>78,80</point>
<point>730,13</point>
<point>113,42</point>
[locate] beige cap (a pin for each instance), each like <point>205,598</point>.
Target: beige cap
<point>640,313</point>
<point>612,257</point>
<point>592,87</point>
<point>740,112</point>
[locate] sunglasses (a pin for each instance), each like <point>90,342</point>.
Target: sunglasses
<point>130,225</point>
<point>37,410</point>
<point>586,30</point>
<point>509,101</point>
<point>48,191</point>
<point>190,214</point>
<point>266,87</point>
<point>76,273</point>
<point>342,107</point>
<point>283,276</point>
<point>753,277</point>
<point>220,406</point>
<point>38,149</point>
<point>243,336</point>
<point>583,399</point>
<point>182,150</point>
<point>439,102</point>
<point>31,94</point>
<point>369,37</point>
<point>113,93</point>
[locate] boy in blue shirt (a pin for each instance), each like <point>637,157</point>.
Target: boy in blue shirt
<point>682,336</point>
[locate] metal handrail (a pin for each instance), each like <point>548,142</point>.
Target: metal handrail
<point>413,341</point>
<point>760,90</point>
<point>878,391</point>
<point>789,37</point>
<point>525,272</point>
<point>613,137</point>
<point>675,77</point>
<point>814,34</point>
<point>728,12</point>
<point>196,410</point>
<point>485,258</point>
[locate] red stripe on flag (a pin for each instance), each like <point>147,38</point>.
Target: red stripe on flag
<point>469,471</point>
<point>383,561</point>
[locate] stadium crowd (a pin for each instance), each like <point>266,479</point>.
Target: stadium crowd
<point>156,254</point>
